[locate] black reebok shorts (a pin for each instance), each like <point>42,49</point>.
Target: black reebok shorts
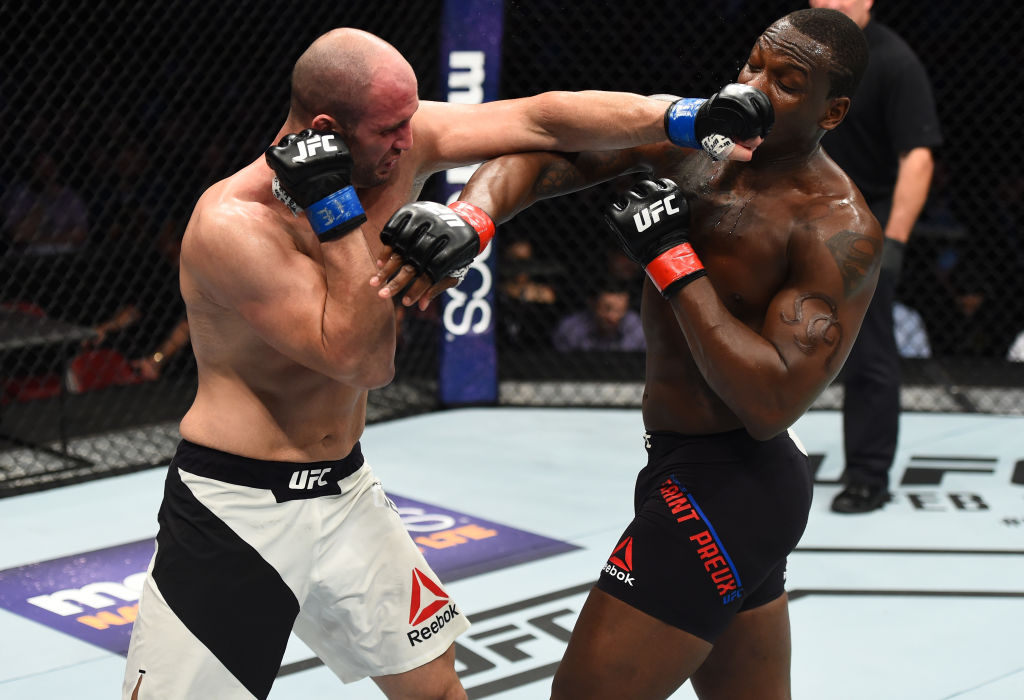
<point>716,517</point>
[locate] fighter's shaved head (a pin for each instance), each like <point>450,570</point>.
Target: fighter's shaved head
<point>333,76</point>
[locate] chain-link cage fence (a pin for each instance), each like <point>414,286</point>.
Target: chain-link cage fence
<point>118,114</point>
<point>960,307</point>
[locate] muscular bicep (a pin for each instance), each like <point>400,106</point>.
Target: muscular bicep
<point>261,277</point>
<point>814,319</point>
<point>451,134</point>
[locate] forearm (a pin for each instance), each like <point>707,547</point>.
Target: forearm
<point>174,342</point>
<point>910,193</point>
<point>358,327</point>
<point>125,317</point>
<point>597,120</point>
<point>505,186</point>
<point>743,368</point>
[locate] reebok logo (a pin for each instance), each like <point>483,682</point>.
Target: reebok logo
<point>310,146</point>
<point>423,605</point>
<point>620,563</point>
<point>308,479</point>
<point>427,599</point>
<point>648,216</point>
<point>625,548</point>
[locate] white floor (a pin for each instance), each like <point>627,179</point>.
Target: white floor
<point>921,601</point>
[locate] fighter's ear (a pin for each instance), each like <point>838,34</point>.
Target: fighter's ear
<point>835,113</point>
<point>324,122</point>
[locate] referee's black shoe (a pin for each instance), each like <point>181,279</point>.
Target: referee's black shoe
<point>860,498</point>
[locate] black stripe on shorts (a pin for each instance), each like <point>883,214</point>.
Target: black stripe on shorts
<point>220,587</point>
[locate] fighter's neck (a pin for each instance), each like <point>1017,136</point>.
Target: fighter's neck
<point>783,163</point>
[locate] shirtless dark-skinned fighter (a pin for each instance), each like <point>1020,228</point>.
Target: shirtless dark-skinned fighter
<point>271,520</point>
<point>759,274</point>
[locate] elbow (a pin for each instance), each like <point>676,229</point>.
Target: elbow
<point>377,366</point>
<point>366,372</point>
<point>549,115</point>
<point>380,376</point>
<point>765,430</point>
<point>371,367</point>
<point>767,421</point>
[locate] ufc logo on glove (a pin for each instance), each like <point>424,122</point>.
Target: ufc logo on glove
<point>441,212</point>
<point>309,147</point>
<point>652,214</point>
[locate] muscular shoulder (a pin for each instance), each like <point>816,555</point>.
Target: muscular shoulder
<point>835,227</point>
<point>222,217</point>
<point>233,222</point>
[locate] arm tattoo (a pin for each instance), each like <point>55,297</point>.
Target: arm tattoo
<point>855,255</point>
<point>559,177</point>
<point>821,328</point>
<point>575,171</point>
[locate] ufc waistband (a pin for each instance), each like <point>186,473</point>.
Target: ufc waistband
<point>288,481</point>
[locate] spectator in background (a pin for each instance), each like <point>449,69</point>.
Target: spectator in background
<point>885,146</point>
<point>520,271</point>
<point>44,223</point>
<point>151,366</point>
<point>148,323</point>
<point>608,323</point>
<point>528,301</point>
<point>43,215</point>
<point>619,267</point>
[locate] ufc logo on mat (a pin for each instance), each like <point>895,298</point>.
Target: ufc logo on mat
<point>309,147</point>
<point>652,214</point>
<point>308,479</point>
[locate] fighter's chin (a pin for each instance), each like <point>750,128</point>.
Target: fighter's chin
<point>371,178</point>
<point>372,181</point>
<point>382,175</point>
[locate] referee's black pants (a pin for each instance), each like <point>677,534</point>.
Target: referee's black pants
<point>871,403</point>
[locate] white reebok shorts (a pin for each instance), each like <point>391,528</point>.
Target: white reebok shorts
<point>250,550</point>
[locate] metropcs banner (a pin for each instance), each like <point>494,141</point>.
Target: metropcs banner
<point>471,35</point>
<point>94,596</point>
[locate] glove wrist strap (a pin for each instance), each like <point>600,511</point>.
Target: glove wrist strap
<point>477,218</point>
<point>336,214</point>
<point>680,119</point>
<point>675,268</point>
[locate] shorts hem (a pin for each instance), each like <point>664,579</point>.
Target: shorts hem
<point>407,665</point>
<point>705,636</point>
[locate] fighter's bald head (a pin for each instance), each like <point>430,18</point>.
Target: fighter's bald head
<point>334,75</point>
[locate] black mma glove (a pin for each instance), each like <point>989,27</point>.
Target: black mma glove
<point>735,113</point>
<point>652,222</point>
<point>314,168</point>
<point>441,241</point>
